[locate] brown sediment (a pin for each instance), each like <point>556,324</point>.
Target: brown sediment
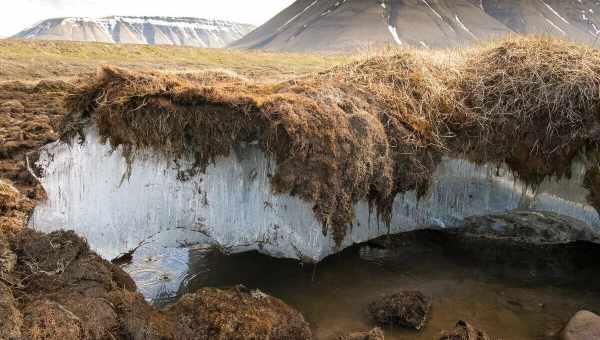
<point>371,129</point>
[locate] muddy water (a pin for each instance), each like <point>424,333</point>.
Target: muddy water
<point>333,296</point>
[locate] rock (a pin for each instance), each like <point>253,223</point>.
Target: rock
<point>374,334</point>
<point>464,331</point>
<point>529,226</point>
<point>48,320</point>
<point>532,246</point>
<point>11,319</point>
<point>583,326</point>
<point>236,314</point>
<point>408,309</point>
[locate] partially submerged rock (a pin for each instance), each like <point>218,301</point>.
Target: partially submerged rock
<point>584,325</point>
<point>529,226</point>
<point>236,313</point>
<point>464,331</point>
<point>374,334</point>
<point>528,244</point>
<point>409,309</point>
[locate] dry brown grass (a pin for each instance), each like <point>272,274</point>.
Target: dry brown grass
<point>14,208</point>
<point>29,60</point>
<point>370,129</point>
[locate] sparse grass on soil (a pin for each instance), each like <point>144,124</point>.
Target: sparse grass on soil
<point>371,129</point>
<point>26,60</point>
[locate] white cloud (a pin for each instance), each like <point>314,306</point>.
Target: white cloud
<point>17,15</point>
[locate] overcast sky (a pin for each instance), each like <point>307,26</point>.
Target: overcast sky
<point>17,15</point>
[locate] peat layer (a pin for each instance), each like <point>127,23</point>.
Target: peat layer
<point>371,129</point>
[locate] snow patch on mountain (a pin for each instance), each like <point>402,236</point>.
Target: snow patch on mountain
<point>140,30</point>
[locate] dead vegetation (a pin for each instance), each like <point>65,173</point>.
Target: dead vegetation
<point>14,208</point>
<point>29,118</point>
<point>371,129</point>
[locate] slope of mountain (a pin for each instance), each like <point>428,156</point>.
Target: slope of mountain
<point>140,30</point>
<point>313,25</point>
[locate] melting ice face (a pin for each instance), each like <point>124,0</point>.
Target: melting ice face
<point>118,207</point>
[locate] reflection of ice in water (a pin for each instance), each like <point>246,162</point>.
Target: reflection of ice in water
<point>160,272</point>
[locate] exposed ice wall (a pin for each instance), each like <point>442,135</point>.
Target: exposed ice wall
<point>232,204</point>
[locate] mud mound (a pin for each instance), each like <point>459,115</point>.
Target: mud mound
<point>369,130</point>
<point>56,288</point>
<point>232,314</point>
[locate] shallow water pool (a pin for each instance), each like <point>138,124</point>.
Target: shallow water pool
<point>333,295</point>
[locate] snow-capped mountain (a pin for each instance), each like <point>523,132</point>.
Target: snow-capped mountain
<point>313,25</point>
<point>140,30</point>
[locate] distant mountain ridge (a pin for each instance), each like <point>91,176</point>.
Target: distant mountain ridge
<point>180,31</point>
<point>321,25</point>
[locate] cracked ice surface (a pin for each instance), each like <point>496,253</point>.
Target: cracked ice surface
<point>232,204</point>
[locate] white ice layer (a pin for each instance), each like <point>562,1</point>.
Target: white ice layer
<point>232,204</point>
